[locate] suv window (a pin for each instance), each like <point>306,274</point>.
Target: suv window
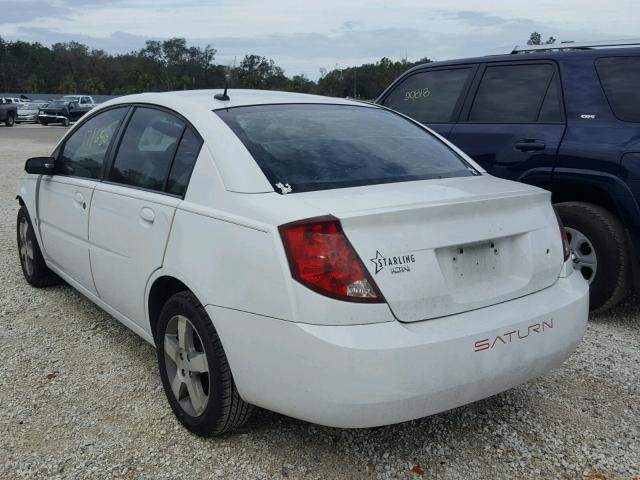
<point>430,96</point>
<point>147,149</point>
<point>84,152</point>
<point>620,78</point>
<point>186,156</point>
<point>516,94</point>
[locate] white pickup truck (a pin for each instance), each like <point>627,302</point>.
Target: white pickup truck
<point>85,101</point>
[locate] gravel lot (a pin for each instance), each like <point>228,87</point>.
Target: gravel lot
<point>80,397</point>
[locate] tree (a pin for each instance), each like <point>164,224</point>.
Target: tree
<point>68,85</point>
<point>173,64</point>
<point>34,83</point>
<point>536,39</point>
<point>258,72</point>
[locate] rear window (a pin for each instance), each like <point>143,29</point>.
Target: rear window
<point>620,78</point>
<point>306,147</point>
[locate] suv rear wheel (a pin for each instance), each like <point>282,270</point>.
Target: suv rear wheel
<point>601,251</point>
<point>11,119</point>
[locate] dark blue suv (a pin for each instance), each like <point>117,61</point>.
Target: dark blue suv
<point>565,118</point>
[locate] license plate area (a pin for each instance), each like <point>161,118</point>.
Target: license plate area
<point>470,264</point>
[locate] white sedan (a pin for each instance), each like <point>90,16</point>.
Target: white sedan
<point>327,259</point>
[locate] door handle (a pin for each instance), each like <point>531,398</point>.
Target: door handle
<point>529,145</point>
<point>78,199</point>
<point>147,215</point>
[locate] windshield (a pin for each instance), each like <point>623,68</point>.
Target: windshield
<point>305,147</point>
<point>57,104</point>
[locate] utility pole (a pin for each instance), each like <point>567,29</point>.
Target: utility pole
<point>355,78</point>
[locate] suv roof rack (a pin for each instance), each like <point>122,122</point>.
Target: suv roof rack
<point>564,46</point>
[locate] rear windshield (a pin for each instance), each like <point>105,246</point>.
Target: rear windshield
<point>620,77</point>
<point>305,147</point>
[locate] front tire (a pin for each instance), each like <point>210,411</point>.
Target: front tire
<point>66,122</point>
<point>11,119</point>
<point>194,369</point>
<point>34,268</point>
<point>601,248</point>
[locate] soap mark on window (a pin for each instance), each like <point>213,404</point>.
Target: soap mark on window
<point>413,95</point>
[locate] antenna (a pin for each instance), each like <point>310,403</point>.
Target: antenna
<point>223,96</point>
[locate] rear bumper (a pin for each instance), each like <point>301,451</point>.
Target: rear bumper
<point>384,373</point>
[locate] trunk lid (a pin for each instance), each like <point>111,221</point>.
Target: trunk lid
<point>440,247</point>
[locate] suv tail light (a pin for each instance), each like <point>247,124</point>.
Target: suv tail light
<point>565,240</point>
<point>321,258</point>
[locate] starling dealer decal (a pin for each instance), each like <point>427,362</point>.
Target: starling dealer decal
<point>397,264</point>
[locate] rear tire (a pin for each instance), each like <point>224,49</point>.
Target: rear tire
<point>11,119</point>
<point>607,237</point>
<point>66,122</point>
<point>34,268</point>
<point>223,410</point>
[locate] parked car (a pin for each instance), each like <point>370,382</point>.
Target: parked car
<point>8,112</point>
<point>28,112</point>
<point>61,111</point>
<point>15,100</point>
<point>327,259</point>
<point>563,117</point>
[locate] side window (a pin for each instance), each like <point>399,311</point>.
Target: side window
<point>620,77</point>
<point>183,163</point>
<point>551,109</point>
<point>84,152</point>
<point>430,96</point>
<point>147,149</point>
<point>514,94</point>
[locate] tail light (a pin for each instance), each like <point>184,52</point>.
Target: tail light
<point>565,240</point>
<point>321,258</point>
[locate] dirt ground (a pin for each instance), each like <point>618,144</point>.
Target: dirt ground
<point>80,397</point>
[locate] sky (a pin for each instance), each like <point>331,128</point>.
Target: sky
<point>304,36</point>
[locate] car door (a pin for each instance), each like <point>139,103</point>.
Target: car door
<point>433,96</point>
<point>513,121</point>
<point>64,199</point>
<point>132,210</point>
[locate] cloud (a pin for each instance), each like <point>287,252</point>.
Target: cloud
<point>477,19</point>
<point>117,42</point>
<point>303,40</point>
<point>19,11</point>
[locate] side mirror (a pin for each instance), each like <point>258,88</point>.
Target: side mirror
<point>40,165</point>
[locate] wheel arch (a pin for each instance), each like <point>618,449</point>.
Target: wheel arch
<point>609,192</point>
<point>160,288</point>
<point>602,189</point>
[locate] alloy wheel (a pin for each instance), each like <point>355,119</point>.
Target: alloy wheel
<point>585,259</point>
<point>186,365</point>
<point>26,247</point>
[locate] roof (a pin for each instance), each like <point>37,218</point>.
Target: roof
<point>204,99</point>
<point>542,55</point>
